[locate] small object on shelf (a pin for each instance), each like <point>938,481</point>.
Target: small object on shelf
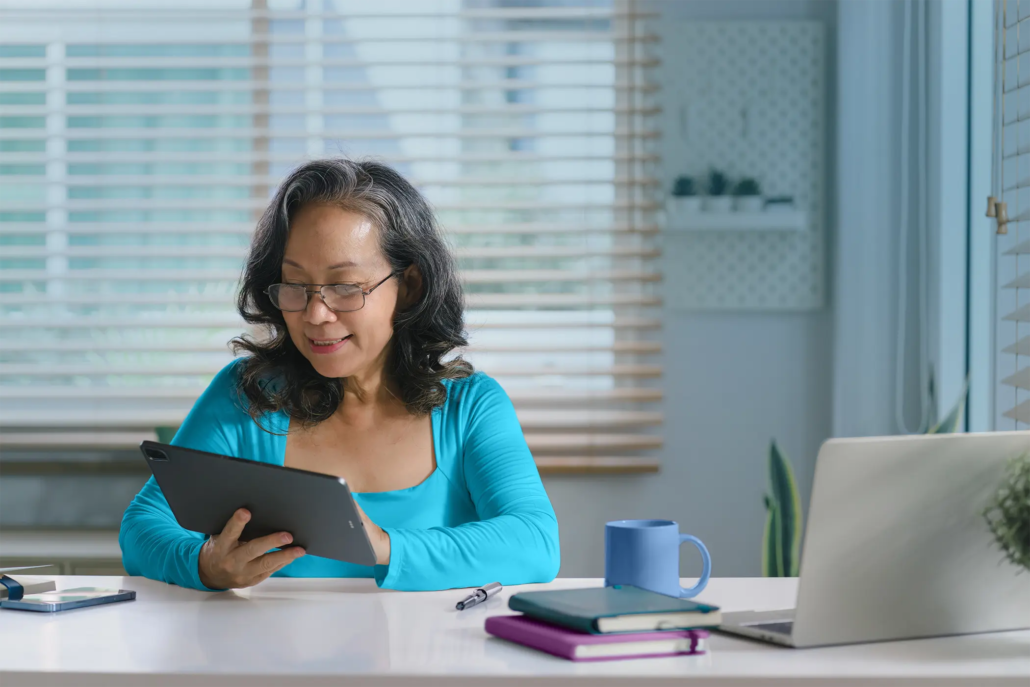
<point>717,200</point>
<point>747,196</point>
<point>779,203</point>
<point>684,197</point>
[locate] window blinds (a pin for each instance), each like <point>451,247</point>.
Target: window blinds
<point>139,142</point>
<point>1012,403</point>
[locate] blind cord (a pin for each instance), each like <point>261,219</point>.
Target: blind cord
<point>904,205</point>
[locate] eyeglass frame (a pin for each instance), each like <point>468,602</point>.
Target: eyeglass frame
<point>309,292</point>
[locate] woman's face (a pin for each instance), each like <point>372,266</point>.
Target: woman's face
<point>329,245</point>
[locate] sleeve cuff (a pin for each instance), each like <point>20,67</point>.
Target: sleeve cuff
<point>387,576</point>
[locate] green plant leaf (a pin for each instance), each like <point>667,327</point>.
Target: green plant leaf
<point>772,559</point>
<point>953,420</point>
<point>165,434</point>
<point>788,505</point>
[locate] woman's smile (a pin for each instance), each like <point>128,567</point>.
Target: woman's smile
<point>324,346</point>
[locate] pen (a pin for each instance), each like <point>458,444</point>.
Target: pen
<point>479,596</point>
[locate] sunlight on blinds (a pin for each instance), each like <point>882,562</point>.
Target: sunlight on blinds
<point>139,141</point>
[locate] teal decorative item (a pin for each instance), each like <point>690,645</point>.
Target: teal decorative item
<point>718,184</point>
<point>684,187</point>
<point>747,187</point>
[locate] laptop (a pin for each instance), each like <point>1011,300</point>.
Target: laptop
<point>897,547</point>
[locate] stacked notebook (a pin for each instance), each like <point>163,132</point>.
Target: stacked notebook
<point>604,623</point>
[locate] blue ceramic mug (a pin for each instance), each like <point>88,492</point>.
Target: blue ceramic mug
<point>646,554</point>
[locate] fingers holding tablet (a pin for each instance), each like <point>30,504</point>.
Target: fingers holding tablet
<point>226,563</point>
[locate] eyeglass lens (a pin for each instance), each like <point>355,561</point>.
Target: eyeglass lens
<point>294,297</point>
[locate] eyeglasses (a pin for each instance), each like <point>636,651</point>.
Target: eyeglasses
<point>337,297</point>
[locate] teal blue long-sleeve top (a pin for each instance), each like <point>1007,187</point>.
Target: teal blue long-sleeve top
<point>481,516</point>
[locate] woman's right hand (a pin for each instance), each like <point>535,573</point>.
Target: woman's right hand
<point>226,563</point>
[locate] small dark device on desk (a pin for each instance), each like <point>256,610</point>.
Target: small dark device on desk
<point>205,489</point>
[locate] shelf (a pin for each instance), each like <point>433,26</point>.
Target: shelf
<point>773,220</point>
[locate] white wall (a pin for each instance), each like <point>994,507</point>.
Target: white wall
<point>733,382</point>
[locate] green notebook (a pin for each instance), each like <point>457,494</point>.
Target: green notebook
<point>622,608</point>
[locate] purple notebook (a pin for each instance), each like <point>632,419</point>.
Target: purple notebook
<point>579,646</point>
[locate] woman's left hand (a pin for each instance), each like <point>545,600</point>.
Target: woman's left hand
<point>380,539</point>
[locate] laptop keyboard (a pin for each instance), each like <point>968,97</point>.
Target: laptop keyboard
<point>784,628</point>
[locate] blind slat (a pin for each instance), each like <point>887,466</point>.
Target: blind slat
<point>586,419</point>
<point>543,251</point>
<point>272,62</point>
<point>534,396</point>
<point>1021,347</point>
<point>1022,248</point>
<point>1021,314</point>
<point>1021,413</point>
<point>257,157</point>
<point>14,369</point>
<point>229,132</point>
<point>240,86</point>
<point>230,228</point>
<point>591,443</point>
<point>1020,379</point>
<point>259,204</point>
<point>199,181</point>
<point>583,443</point>
<point>1020,282</point>
<point>557,37</point>
<point>469,276</point>
<point>359,12</point>
<point>255,109</point>
<point>485,300</point>
<point>595,464</point>
<point>202,321</point>
<point>200,347</point>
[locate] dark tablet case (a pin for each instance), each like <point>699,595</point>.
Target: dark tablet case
<point>205,489</point>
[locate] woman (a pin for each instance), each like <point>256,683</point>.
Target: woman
<point>351,276</point>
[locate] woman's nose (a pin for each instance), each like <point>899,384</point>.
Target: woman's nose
<point>317,311</point>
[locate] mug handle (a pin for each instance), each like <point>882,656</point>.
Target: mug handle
<point>706,572</point>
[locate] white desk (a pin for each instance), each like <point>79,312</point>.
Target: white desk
<point>347,632</point>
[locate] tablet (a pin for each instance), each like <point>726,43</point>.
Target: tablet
<point>205,489</point>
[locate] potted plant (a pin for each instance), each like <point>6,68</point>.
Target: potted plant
<point>717,199</point>
<point>1008,514</point>
<point>684,196</point>
<point>747,196</point>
